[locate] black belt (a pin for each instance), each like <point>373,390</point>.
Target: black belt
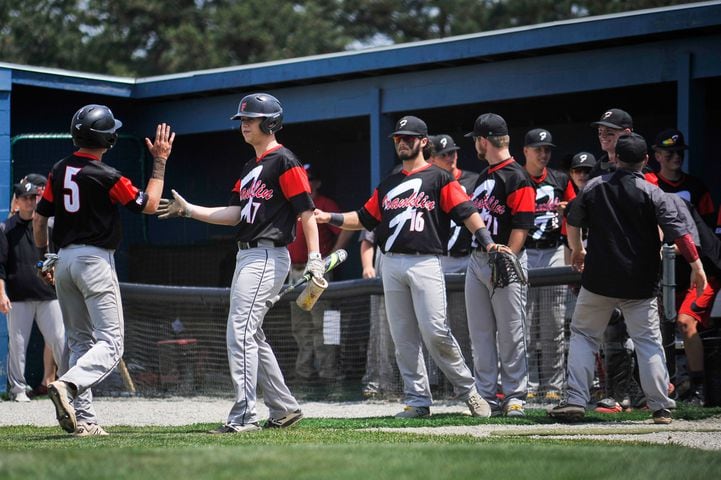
<point>258,243</point>
<point>542,243</point>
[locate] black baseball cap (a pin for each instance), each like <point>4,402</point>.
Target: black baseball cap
<point>631,148</point>
<point>615,118</point>
<point>670,139</point>
<point>443,144</point>
<point>25,188</point>
<point>36,179</point>
<point>539,137</point>
<point>488,125</point>
<point>410,125</point>
<point>583,160</point>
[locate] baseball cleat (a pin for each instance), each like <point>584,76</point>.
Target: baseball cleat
<point>662,416</point>
<point>89,429</point>
<point>228,428</point>
<point>478,406</point>
<point>567,412</point>
<point>285,421</point>
<point>608,405</point>
<point>414,412</point>
<point>65,413</point>
<point>515,410</point>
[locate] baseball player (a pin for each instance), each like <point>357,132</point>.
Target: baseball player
<point>669,152</point>
<point>506,200</point>
<point>623,213</point>
<point>82,195</point>
<point>24,297</point>
<point>272,191</point>
<point>412,210</point>
<point>612,124</point>
<point>544,248</point>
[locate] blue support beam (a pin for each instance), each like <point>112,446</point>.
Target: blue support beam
<point>5,180</point>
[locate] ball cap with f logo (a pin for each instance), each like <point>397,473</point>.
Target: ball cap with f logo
<point>410,125</point>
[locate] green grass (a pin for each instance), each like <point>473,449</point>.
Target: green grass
<point>341,449</point>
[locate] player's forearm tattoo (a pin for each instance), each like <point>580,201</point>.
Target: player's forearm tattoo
<point>159,167</point>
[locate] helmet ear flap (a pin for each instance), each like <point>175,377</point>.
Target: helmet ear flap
<point>272,123</point>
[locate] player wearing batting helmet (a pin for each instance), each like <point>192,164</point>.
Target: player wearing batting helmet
<point>271,192</point>
<point>83,195</point>
<point>412,210</point>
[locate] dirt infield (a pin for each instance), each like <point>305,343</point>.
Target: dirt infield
<point>702,434</point>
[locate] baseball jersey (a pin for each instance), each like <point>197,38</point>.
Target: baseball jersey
<point>505,198</point>
<point>692,190</point>
<point>623,211</point>
<point>552,187</point>
<point>413,210</point>
<point>327,233</point>
<point>459,242</point>
<point>83,195</point>
<point>272,191</point>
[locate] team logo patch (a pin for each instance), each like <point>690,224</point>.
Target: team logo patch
<point>242,106</point>
<point>607,114</point>
<point>582,158</point>
<point>402,123</point>
<point>444,142</point>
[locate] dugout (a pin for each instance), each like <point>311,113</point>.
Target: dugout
<point>662,65</point>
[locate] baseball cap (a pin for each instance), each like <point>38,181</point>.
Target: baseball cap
<point>36,179</point>
<point>539,137</point>
<point>631,148</point>
<point>410,125</point>
<point>615,118</point>
<point>583,160</point>
<point>489,125</point>
<point>670,139</point>
<point>25,188</point>
<point>443,144</point>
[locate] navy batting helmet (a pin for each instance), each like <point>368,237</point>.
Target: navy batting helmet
<point>94,126</point>
<point>261,105</point>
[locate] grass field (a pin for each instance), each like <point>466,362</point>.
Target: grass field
<point>345,449</point>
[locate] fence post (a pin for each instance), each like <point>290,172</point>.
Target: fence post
<point>668,292</point>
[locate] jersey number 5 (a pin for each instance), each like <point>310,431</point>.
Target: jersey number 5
<point>71,200</point>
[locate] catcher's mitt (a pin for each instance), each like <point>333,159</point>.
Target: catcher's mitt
<point>505,269</point>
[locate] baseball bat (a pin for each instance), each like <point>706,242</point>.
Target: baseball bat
<point>330,262</point>
<point>125,375</point>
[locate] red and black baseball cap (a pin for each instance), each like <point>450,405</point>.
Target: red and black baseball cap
<point>670,139</point>
<point>489,125</point>
<point>615,118</point>
<point>410,125</point>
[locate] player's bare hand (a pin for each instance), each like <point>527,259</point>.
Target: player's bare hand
<point>173,208</point>
<point>369,272</point>
<point>321,216</point>
<point>499,247</point>
<point>561,207</point>
<point>163,144</point>
<point>578,258</point>
<point>5,303</point>
<point>698,277</point>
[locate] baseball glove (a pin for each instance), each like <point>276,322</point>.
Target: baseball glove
<point>505,269</point>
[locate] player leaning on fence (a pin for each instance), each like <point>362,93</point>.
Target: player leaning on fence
<point>412,210</point>
<point>82,195</point>
<point>271,192</point>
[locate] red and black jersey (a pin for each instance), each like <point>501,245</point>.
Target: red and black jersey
<point>413,210</point>
<point>83,195</point>
<point>505,198</point>
<point>692,190</point>
<point>272,191</point>
<point>552,188</point>
<point>459,242</point>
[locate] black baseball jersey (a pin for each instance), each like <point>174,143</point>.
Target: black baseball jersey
<point>692,190</point>
<point>18,256</point>
<point>459,243</point>
<point>83,195</point>
<point>552,187</point>
<point>413,210</point>
<point>272,191</point>
<point>505,198</point>
<point>623,212</point>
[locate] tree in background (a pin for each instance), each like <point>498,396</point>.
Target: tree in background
<point>140,38</point>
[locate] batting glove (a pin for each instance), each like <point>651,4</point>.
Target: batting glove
<point>315,265</point>
<point>177,207</point>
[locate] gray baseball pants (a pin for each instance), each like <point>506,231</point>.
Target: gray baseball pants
<point>589,321</point>
<point>20,324</point>
<point>496,324</point>
<point>415,297</point>
<point>259,276</point>
<point>89,296</point>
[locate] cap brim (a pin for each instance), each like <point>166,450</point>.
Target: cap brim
<point>407,132</point>
<point>446,150</point>
<point>607,124</point>
<point>675,148</point>
<point>541,144</point>
<point>470,135</point>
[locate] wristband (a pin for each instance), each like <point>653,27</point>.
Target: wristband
<point>483,238</point>
<point>336,219</point>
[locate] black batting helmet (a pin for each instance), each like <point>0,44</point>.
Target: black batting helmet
<point>261,105</point>
<point>94,126</point>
